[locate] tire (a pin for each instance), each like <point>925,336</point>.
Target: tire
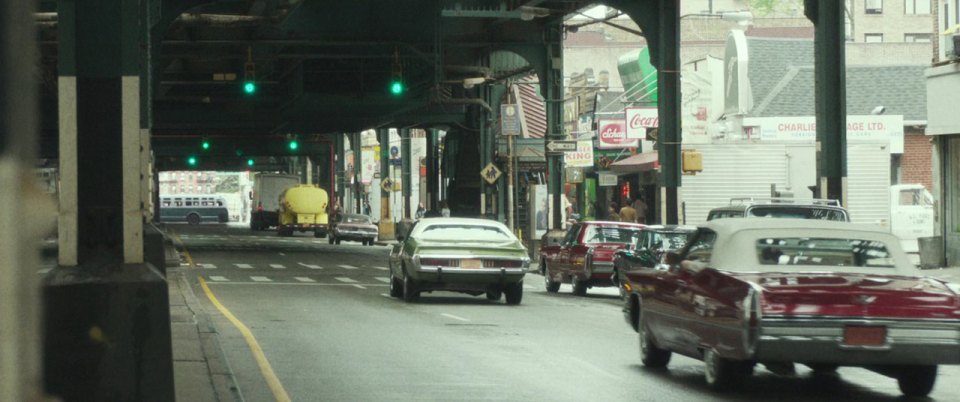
<point>396,287</point>
<point>823,368</point>
<point>494,295</point>
<point>193,219</point>
<point>579,287</point>
<point>410,291</point>
<point>651,355</point>
<point>917,381</point>
<point>723,374</point>
<point>337,241</point>
<point>552,287</point>
<point>514,293</point>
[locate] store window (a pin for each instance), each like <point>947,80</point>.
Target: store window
<point>916,38</point>
<point>873,38</point>
<point>916,7</point>
<point>873,6</point>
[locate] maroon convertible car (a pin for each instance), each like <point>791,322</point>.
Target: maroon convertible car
<point>781,292</point>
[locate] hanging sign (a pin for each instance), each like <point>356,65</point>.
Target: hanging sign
<point>612,134</point>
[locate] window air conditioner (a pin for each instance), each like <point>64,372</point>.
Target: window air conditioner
<point>951,43</point>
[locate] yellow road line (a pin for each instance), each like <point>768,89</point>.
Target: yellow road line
<point>278,392</point>
<point>185,252</point>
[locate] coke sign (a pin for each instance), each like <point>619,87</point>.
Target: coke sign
<point>613,134</point>
<point>639,119</point>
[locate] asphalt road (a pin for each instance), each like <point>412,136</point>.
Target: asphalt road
<point>322,317</point>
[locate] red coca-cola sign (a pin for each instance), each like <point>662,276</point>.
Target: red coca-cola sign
<point>613,134</point>
<point>640,121</point>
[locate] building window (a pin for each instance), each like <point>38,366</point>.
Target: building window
<point>873,37</point>
<point>916,38</point>
<point>916,7</point>
<point>873,6</point>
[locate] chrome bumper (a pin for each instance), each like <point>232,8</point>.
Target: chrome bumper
<point>810,340</point>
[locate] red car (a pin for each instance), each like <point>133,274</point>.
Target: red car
<point>584,258</point>
<point>784,291</point>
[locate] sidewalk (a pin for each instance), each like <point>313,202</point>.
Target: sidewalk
<point>199,370</point>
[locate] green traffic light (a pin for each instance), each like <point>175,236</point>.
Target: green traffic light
<point>192,161</point>
<point>396,87</point>
<point>250,162</point>
<point>293,145</point>
<point>205,145</point>
<point>249,87</point>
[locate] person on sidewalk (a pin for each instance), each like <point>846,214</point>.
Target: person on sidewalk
<point>642,209</point>
<point>627,213</point>
<point>420,211</point>
<point>612,214</point>
<point>444,210</point>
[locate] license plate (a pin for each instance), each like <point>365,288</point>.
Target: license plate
<point>306,218</point>
<point>858,335</point>
<point>471,264</point>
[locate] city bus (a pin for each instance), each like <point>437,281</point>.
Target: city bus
<point>193,209</point>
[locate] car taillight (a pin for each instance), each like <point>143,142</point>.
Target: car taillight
<point>436,262</point>
<point>752,316</point>
<point>502,263</point>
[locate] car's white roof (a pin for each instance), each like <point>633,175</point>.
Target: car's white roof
<point>424,222</point>
<point>735,247</point>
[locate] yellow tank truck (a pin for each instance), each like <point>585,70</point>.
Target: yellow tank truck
<point>303,208</point>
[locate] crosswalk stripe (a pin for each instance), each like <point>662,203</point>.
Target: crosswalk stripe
<point>207,266</point>
<point>347,266</point>
<point>359,286</point>
<point>345,280</point>
<point>244,266</point>
<point>381,268</point>
<point>277,266</point>
<point>219,279</point>
<point>311,266</point>
<point>43,271</point>
<point>260,279</point>
<point>382,279</point>
<point>303,279</point>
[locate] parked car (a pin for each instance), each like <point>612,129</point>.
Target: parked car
<point>652,245</point>
<point>354,227</point>
<point>584,258</point>
<point>821,209</point>
<point>472,256</point>
<point>785,291</point>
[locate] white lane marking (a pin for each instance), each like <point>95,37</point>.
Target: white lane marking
<point>219,279</point>
<point>345,280</point>
<point>260,279</point>
<point>454,317</point>
<point>244,266</point>
<point>359,286</point>
<point>528,287</point>
<point>278,266</point>
<point>347,266</point>
<point>382,279</point>
<point>207,266</point>
<point>381,268</point>
<point>386,295</point>
<point>303,279</point>
<point>282,254</point>
<point>311,266</point>
<point>43,271</point>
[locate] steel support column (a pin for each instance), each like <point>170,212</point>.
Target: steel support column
<point>26,214</point>
<point>340,157</point>
<point>668,84</point>
<point>357,172</point>
<point>406,179</point>
<point>553,93</point>
<point>386,220</point>
<point>433,171</point>
<point>831,94</point>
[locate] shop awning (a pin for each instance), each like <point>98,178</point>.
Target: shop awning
<point>641,162</point>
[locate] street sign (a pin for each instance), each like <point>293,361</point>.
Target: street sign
<point>559,146</point>
<point>574,175</point>
<point>509,120</point>
<point>490,173</point>
<point>387,185</point>
<point>607,179</point>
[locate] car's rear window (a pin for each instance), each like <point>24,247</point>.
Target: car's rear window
<point>805,212</point>
<point>610,234</point>
<point>461,232</point>
<point>832,252</point>
<point>670,240</point>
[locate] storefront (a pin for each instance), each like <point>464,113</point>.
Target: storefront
<point>943,84</point>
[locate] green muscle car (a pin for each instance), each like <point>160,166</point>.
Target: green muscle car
<point>472,256</point>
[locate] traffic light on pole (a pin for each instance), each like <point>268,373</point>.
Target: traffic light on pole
<point>249,162</point>
<point>249,75</point>
<point>397,87</point>
<point>192,161</point>
<point>205,145</point>
<point>293,144</point>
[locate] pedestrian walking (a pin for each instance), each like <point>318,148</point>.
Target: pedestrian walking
<point>627,213</point>
<point>420,211</point>
<point>612,214</point>
<point>444,210</point>
<point>641,207</point>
